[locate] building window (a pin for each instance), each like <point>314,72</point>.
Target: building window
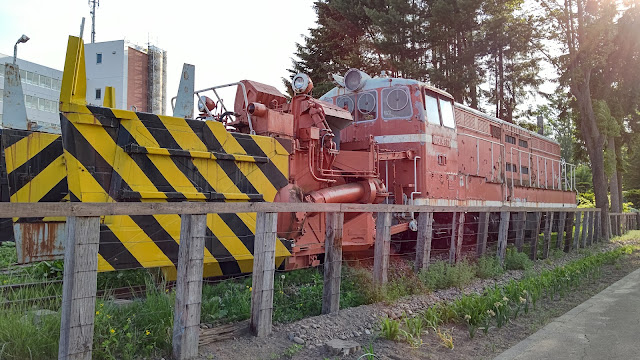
<point>523,143</point>
<point>524,170</point>
<point>98,58</point>
<point>98,94</point>
<point>509,139</point>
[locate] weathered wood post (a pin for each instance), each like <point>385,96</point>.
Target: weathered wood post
<point>561,228</point>
<point>423,244</point>
<point>459,237</point>
<point>483,233</point>
<point>585,227</point>
<point>534,236</point>
<point>503,230</point>
<point>332,262</point>
<point>590,229</point>
<point>79,288</point>
<point>264,258</point>
<point>186,317</point>
<point>597,228</point>
<point>638,221</point>
<point>521,227</point>
<point>382,248</point>
<point>548,226</point>
<point>576,235</point>
<point>568,245</point>
<point>452,244</point>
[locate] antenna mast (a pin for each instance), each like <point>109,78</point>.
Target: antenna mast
<point>93,4</point>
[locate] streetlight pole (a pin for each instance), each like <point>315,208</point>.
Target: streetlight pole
<point>23,39</point>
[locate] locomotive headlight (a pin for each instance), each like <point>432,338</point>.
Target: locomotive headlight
<point>301,84</point>
<point>355,79</point>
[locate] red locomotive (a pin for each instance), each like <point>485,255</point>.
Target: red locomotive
<point>400,141</point>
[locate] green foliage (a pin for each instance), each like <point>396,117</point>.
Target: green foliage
<point>292,350</point>
<point>8,254</point>
<point>515,260</point>
<point>442,275</point>
<point>632,197</point>
<point>586,200</point>
<point>389,328</point>
<point>488,267</point>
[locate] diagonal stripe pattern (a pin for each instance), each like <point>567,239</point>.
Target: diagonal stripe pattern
<point>122,156</point>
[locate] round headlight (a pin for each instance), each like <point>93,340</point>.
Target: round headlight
<point>301,84</point>
<point>355,79</point>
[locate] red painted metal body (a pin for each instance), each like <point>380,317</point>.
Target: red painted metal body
<point>399,141</point>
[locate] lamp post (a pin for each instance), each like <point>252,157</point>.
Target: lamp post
<point>23,39</point>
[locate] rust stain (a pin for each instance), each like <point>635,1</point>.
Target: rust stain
<point>40,241</point>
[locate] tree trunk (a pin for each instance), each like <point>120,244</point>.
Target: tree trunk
<point>613,183</point>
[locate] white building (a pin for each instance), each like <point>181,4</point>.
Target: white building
<point>137,74</point>
<point>41,87</point>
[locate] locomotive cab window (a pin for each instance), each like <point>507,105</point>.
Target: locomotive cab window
<point>439,110</point>
<point>396,103</point>
<point>431,107</point>
<point>523,143</point>
<point>367,105</point>
<point>346,102</point>
<point>509,139</point>
<point>446,110</point>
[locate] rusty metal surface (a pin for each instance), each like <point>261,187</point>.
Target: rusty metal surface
<point>39,241</point>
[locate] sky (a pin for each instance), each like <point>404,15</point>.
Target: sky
<point>227,41</point>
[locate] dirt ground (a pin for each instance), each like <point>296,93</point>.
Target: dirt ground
<point>279,346</point>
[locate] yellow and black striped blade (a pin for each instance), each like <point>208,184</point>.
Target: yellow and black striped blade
<point>123,156</point>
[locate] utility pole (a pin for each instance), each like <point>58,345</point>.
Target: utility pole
<point>93,4</point>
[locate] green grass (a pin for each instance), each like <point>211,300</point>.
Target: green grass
<point>8,254</point>
<point>442,275</point>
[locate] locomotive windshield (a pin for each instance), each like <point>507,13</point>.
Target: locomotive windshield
<point>439,110</point>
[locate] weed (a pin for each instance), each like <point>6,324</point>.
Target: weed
<point>292,350</point>
<point>515,260</point>
<point>432,317</point>
<point>488,267</point>
<point>441,275</point>
<point>446,338</point>
<point>415,325</point>
<point>369,353</point>
<point>390,329</point>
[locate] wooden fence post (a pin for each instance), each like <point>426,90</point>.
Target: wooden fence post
<point>638,221</point>
<point>596,227</point>
<point>382,248</point>
<point>585,227</point>
<point>561,228</point>
<point>590,229</point>
<point>79,288</point>
<point>423,244</point>
<point>576,235</point>
<point>332,262</point>
<point>452,244</point>
<point>503,230</point>
<point>568,245</point>
<point>521,227</point>
<point>548,226</point>
<point>459,237</point>
<point>483,233</point>
<point>264,258</point>
<point>186,317</point>
<point>534,236</point>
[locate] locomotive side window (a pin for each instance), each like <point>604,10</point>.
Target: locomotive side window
<point>523,143</point>
<point>446,110</point>
<point>395,103</point>
<point>431,107</point>
<point>524,170</point>
<point>368,105</point>
<point>509,139</point>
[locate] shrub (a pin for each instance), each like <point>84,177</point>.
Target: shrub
<point>441,275</point>
<point>488,267</point>
<point>515,260</point>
